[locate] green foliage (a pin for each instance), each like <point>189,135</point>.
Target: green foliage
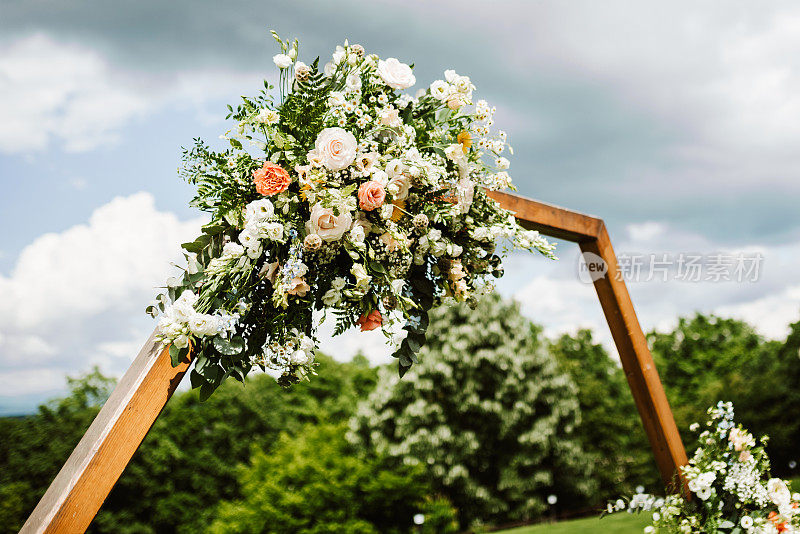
<point>33,449</point>
<point>704,359</point>
<point>316,482</point>
<point>188,461</point>
<point>610,430</point>
<point>487,412</point>
<point>768,402</point>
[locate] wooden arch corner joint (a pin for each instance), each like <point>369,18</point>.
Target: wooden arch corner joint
<point>86,479</point>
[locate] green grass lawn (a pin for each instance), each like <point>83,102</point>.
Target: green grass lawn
<point>615,524</point>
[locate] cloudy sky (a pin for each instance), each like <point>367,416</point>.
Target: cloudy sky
<point>677,122</point>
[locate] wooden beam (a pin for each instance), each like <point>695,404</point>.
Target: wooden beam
<point>637,362</point>
<point>79,489</point>
<point>548,219</point>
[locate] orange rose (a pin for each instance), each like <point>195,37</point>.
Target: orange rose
<point>271,179</point>
<point>371,321</point>
<point>371,195</point>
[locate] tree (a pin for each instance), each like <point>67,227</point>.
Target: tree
<point>188,462</point>
<point>487,412</point>
<point>610,430</point>
<point>768,402</point>
<point>316,482</point>
<point>33,449</point>
<point>703,360</point>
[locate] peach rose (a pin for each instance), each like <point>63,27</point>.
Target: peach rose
<point>271,179</point>
<point>298,287</point>
<point>371,321</point>
<point>371,195</point>
<point>326,224</point>
<point>336,148</point>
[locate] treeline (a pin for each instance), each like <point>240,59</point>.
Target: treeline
<point>495,420</point>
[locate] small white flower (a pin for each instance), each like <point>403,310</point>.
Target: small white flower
<point>746,522</point>
<point>440,90</point>
<point>268,116</point>
<point>282,61</point>
<point>502,163</point>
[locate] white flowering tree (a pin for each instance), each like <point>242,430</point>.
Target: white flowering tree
<point>487,411</point>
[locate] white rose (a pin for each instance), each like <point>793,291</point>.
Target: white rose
<point>282,61</point>
<point>326,224</point>
<point>482,233</point>
<point>336,148</point>
<point>395,74</point>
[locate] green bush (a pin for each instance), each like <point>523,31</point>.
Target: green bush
<point>316,482</point>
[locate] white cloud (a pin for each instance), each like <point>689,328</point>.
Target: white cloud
<point>68,94</point>
<point>77,297</point>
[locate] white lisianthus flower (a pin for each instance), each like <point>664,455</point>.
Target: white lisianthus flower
<point>299,357</point>
<point>232,250</point>
<point>268,116</point>
<point>395,74</point>
<point>390,116</point>
<point>357,234</point>
<point>282,61</point>
<point>273,231</point>
<point>204,325</point>
<point>482,233</point>
<point>353,82</point>
<point>336,148</point>
<point>454,152</point>
<point>386,211</point>
<point>259,210</point>
<point>181,342</point>
<point>332,297</point>
<point>397,285</point>
<point>338,283</point>
<point>450,75</point>
<point>778,492</point>
<point>362,278</point>
<point>338,55</point>
<point>440,90</point>
<point>502,163</point>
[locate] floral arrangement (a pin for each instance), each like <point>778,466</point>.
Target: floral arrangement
<point>729,485</point>
<point>339,195</point>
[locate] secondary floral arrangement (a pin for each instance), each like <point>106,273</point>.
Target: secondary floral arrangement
<point>731,491</point>
<point>339,195</point>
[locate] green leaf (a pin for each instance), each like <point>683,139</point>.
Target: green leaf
<point>230,347</point>
<point>206,390</point>
<point>174,355</point>
<point>214,228</point>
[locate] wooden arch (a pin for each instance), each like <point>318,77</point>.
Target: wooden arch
<point>77,492</point>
